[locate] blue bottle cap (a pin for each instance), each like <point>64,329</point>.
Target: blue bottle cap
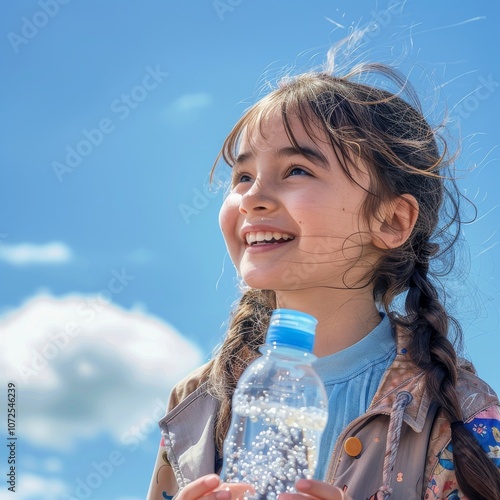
<point>292,328</point>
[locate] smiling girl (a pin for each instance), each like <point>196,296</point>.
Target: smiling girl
<point>341,198</point>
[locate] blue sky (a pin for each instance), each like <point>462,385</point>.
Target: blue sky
<point>115,278</point>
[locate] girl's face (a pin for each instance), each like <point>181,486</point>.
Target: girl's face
<point>291,222</point>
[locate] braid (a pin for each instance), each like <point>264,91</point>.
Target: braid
<point>246,333</point>
<point>432,351</point>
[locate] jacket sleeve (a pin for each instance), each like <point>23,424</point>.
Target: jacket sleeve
<point>485,427</point>
<point>164,485</point>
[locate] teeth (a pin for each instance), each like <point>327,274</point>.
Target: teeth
<point>251,238</point>
<point>262,236</point>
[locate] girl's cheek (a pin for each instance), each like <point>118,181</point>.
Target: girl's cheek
<point>228,217</point>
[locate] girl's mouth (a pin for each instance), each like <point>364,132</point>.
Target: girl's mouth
<point>261,238</point>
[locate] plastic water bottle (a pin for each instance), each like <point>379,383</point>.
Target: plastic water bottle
<point>279,411</point>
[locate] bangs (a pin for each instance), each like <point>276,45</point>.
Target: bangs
<point>286,104</point>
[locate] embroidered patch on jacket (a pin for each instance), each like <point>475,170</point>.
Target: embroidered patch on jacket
<point>486,429</point>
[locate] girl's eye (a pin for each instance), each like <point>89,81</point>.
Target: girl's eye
<point>237,178</point>
<point>297,171</point>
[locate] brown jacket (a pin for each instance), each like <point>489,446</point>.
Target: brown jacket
<point>424,460</point>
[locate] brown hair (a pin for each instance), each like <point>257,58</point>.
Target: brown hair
<point>392,136</point>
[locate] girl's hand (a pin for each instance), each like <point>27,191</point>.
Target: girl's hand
<point>210,488</point>
<point>308,488</point>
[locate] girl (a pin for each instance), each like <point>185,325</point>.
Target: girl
<point>337,188</point>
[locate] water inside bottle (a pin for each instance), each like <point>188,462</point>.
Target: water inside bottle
<point>271,445</point>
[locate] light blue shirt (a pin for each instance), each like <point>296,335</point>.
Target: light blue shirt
<point>351,378</point>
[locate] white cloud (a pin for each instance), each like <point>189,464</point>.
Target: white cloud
<point>187,106</point>
<point>50,464</point>
<point>139,256</point>
<point>33,487</point>
<point>187,102</point>
<point>84,366</point>
<point>24,254</point>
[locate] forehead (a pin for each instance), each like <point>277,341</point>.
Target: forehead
<point>270,131</point>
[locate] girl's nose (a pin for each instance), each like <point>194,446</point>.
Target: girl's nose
<point>257,199</point>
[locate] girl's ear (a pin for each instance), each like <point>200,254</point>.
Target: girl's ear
<point>397,220</point>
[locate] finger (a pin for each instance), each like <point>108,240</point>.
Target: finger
<point>236,491</point>
<point>319,489</point>
<point>200,487</point>
<point>220,495</point>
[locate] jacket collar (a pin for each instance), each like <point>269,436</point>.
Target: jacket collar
<point>403,375</point>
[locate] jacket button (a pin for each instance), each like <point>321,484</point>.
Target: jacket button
<point>353,446</point>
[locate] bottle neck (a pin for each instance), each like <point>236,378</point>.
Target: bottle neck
<point>287,352</point>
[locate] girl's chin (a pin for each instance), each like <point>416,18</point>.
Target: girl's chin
<point>275,276</point>
<point>266,282</point>
<point>260,284</point>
